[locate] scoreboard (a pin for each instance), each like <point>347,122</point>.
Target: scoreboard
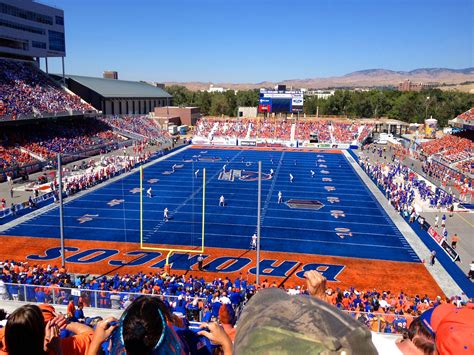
<point>281,101</point>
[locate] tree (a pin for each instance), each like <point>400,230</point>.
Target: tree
<point>231,103</point>
<point>247,98</point>
<point>219,105</point>
<point>204,102</point>
<point>181,95</point>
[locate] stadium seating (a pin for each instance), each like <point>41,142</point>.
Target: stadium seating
<point>12,157</point>
<point>466,166</point>
<point>344,132</point>
<point>450,147</point>
<point>141,125</point>
<point>212,127</point>
<point>187,286</point>
<point>269,128</point>
<point>321,128</point>
<point>25,89</point>
<point>46,140</point>
<point>468,115</point>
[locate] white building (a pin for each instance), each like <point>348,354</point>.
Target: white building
<point>212,88</point>
<point>320,94</point>
<point>244,111</point>
<point>31,30</point>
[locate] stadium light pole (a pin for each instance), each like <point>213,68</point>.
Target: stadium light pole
<point>61,216</point>
<point>259,202</point>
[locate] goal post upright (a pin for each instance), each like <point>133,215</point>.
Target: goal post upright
<point>170,251</point>
<point>203,207</point>
<point>141,206</point>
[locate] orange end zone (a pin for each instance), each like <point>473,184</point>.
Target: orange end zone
<point>113,257</point>
<point>269,149</point>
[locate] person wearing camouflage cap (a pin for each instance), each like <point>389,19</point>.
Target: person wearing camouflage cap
<point>274,322</point>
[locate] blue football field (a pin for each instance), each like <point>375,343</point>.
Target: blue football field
<point>331,213</point>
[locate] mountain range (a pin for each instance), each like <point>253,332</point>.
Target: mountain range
<point>361,79</point>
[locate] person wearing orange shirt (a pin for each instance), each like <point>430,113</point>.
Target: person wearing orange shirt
<point>454,241</point>
<point>71,309</point>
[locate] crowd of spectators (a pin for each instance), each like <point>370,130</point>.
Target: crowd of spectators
<point>468,115</point>
<point>211,127</point>
<point>24,89</point>
<point>141,125</point>
<point>97,172</point>
<point>12,157</point>
<point>268,128</point>
<point>445,175</point>
<point>345,132</point>
<point>451,148</point>
<point>400,185</point>
<point>47,139</point>
<point>69,137</point>
<point>191,295</point>
<point>216,300</point>
<point>320,128</point>
<point>466,166</point>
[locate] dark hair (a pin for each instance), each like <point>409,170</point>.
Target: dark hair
<point>3,314</point>
<point>421,337</point>
<point>143,324</point>
<point>24,332</point>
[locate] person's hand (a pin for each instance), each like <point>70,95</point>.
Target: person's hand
<point>316,284</point>
<point>60,321</point>
<point>51,338</point>
<point>103,331</point>
<point>217,335</point>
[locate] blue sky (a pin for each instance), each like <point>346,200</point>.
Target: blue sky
<point>253,40</point>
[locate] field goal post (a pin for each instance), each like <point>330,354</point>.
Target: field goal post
<point>172,250</point>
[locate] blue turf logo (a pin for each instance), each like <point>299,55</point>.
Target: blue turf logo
<point>325,172</point>
<point>253,176</point>
<point>87,218</point>
<point>115,202</point>
<point>329,188</point>
<point>326,180</point>
<point>305,204</point>
<point>343,232</point>
<point>337,213</point>
<point>332,199</point>
<point>152,181</point>
<point>135,190</point>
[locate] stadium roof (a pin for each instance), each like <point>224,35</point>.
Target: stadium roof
<point>112,88</point>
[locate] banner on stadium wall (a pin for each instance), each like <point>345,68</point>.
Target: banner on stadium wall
<point>327,145</point>
<point>450,251</point>
<point>200,140</point>
<point>224,141</point>
<point>443,244</point>
<point>270,144</point>
<point>248,143</point>
<point>435,235</point>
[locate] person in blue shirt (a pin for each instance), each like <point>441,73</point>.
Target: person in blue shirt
<point>207,315</point>
<point>79,313</point>
<point>235,298</point>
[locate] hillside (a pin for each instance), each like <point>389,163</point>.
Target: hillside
<point>362,78</point>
